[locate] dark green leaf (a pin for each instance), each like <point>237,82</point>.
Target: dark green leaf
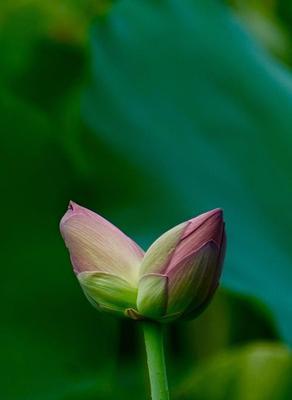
<point>187,95</point>
<point>256,372</point>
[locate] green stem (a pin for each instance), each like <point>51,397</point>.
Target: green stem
<point>153,336</point>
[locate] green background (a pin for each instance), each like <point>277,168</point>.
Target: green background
<point>148,112</point>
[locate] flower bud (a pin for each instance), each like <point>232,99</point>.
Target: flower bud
<point>180,272</point>
<point>175,278</point>
<point>104,259</point>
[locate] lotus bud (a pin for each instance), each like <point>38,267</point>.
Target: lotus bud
<point>180,272</point>
<point>105,261</point>
<point>175,278</point>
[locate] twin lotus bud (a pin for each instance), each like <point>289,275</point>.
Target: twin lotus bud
<point>174,279</point>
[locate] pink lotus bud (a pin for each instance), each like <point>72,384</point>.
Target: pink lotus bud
<point>181,270</point>
<point>104,259</point>
<point>176,277</point>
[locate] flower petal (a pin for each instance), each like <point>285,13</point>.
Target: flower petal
<point>160,252</point>
<point>200,230</point>
<point>97,245</point>
<point>190,282</point>
<point>181,241</point>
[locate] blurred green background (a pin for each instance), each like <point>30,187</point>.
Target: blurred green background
<point>148,112</point>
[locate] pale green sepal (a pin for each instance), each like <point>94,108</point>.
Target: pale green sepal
<point>108,292</point>
<point>152,295</point>
<point>103,308</point>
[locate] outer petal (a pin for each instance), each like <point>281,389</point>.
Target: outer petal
<point>195,308</point>
<point>192,279</point>
<point>181,241</point>
<point>97,245</point>
<point>200,230</point>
